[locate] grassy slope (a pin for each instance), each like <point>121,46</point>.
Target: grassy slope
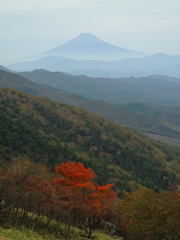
<point>19,230</point>
<point>23,233</point>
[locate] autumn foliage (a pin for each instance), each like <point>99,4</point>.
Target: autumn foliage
<point>76,177</point>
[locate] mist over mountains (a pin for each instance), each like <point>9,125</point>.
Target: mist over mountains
<point>88,55</point>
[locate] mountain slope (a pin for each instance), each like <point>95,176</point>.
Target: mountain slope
<point>5,69</point>
<point>49,132</point>
<point>11,80</point>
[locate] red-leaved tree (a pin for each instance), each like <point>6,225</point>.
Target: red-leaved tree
<point>90,201</point>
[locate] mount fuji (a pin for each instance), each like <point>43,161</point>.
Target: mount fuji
<point>86,46</point>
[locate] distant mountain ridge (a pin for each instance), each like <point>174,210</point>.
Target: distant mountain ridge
<point>160,63</point>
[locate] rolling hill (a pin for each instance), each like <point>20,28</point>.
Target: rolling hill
<point>151,89</point>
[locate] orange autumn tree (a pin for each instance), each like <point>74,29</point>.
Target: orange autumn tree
<point>79,180</point>
<point>75,176</point>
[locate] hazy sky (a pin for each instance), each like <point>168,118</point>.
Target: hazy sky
<point>28,27</point>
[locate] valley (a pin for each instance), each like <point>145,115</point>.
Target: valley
<point>165,139</point>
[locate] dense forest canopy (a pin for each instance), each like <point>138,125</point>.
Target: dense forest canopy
<point>51,133</point>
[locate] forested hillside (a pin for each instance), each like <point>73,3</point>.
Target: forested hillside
<point>51,133</point>
<point>143,117</point>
